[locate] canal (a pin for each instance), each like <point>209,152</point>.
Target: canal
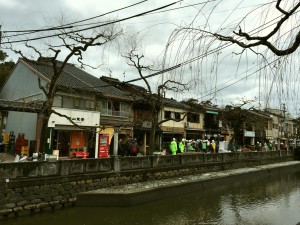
<point>257,200</point>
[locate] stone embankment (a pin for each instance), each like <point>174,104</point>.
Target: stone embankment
<point>139,193</point>
<point>34,187</point>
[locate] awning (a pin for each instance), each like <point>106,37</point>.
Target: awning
<point>212,112</point>
<point>69,128</point>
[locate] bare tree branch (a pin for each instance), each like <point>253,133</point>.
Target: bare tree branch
<point>263,40</point>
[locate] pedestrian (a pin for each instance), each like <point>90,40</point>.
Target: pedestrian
<point>182,146</point>
<point>127,146</point>
<point>204,146</point>
<point>133,147</point>
<point>121,148</point>
<point>173,146</point>
<point>213,145</point>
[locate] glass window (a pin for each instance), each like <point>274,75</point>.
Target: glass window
<point>68,102</point>
<point>57,102</point>
<point>193,117</point>
<point>76,103</point>
<point>92,104</point>
<point>124,109</point>
<point>106,107</point>
<point>177,115</point>
<point>116,106</point>
<point>168,115</point>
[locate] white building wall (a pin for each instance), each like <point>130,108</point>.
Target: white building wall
<point>22,85</point>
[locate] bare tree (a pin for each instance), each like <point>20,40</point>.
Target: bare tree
<point>153,96</point>
<point>68,44</point>
<point>240,119</point>
<point>252,42</point>
<point>256,40</point>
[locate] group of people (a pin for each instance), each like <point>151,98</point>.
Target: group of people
<point>129,148</point>
<point>270,146</point>
<point>205,146</point>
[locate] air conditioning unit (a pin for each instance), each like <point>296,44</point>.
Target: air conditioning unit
<point>187,124</point>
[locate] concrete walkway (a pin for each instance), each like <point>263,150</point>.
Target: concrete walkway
<point>5,157</point>
<point>139,193</point>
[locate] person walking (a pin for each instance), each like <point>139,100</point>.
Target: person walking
<point>213,145</point>
<point>121,148</point>
<point>173,146</point>
<point>182,146</point>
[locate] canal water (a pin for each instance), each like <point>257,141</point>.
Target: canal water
<point>257,200</point>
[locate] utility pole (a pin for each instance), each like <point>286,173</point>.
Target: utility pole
<point>284,126</point>
<point>0,35</point>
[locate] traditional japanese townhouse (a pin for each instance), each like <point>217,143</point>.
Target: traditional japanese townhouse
<point>174,113</point>
<point>202,121</point>
<point>260,129</point>
<point>211,122</point>
<point>80,96</point>
<point>283,126</point>
<point>141,111</point>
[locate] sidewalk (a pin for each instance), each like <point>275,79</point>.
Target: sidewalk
<point>5,157</point>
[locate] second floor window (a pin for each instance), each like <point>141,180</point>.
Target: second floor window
<point>114,108</point>
<point>168,115</point>
<point>177,115</point>
<point>106,107</point>
<point>193,117</point>
<point>73,103</point>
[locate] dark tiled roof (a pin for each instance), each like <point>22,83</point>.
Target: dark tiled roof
<point>137,92</point>
<point>174,103</point>
<point>34,106</point>
<point>73,78</point>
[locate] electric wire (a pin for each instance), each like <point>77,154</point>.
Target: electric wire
<point>180,64</point>
<point>200,56</point>
<point>93,27</point>
<point>68,25</point>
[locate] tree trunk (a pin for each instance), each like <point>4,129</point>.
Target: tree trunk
<point>43,133</point>
<point>43,120</point>
<point>153,142</point>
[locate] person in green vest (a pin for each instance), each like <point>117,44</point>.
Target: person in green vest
<point>204,146</point>
<point>182,146</point>
<point>173,146</point>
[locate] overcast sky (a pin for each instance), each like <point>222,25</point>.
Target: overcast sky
<point>222,76</point>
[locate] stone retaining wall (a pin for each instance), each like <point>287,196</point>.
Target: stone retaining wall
<point>34,187</point>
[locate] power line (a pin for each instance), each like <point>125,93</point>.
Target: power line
<point>68,25</point>
<point>243,78</point>
<point>256,30</point>
<point>0,35</point>
<point>206,54</point>
<point>89,28</point>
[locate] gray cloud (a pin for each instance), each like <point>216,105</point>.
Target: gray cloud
<point>225,85</point>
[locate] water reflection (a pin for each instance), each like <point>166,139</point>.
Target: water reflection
<point>261,200</point>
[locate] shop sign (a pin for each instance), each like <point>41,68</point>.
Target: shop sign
<point>172,129</point>
<point>225,132</point>
<point>77,119</point>
<point>249,133</point>
<point>147,124</point>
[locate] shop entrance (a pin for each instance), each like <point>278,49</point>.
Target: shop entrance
<point>70,141</point>
<point>62,142</point>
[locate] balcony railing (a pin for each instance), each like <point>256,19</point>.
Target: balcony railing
<point>108,112</point>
